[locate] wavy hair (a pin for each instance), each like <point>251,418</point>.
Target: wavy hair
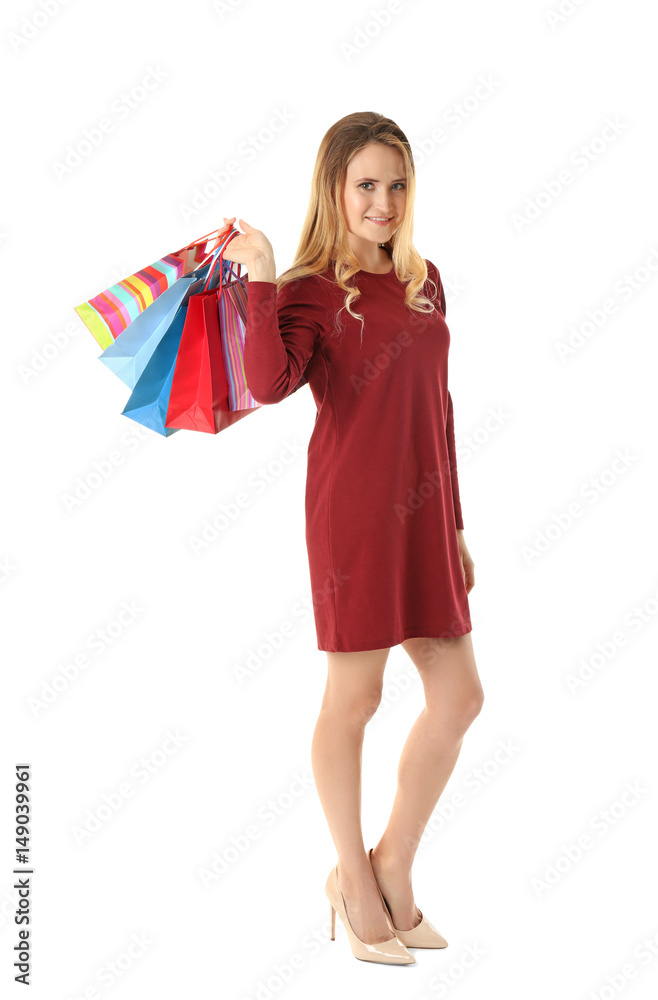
<point>323,241</point>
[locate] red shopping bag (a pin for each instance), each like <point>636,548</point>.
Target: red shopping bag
<point>199,390</point>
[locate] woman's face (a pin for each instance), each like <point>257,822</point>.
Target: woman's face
<point>375,187</point>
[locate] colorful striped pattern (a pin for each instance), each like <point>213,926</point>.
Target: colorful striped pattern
<point>232,323</point>
<point>109,313</point>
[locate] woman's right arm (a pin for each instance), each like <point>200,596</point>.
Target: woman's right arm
<point>281,334</point>
<point>262,268</point>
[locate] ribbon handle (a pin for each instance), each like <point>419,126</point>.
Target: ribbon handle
<point>219,256</point>
<point>198,242</point>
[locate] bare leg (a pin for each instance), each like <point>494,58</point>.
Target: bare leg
<point>453,698</point>
<point>351,698</point>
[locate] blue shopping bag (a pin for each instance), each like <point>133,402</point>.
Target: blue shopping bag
<point>150,398</point>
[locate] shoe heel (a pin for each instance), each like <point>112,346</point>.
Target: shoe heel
<point>333,923</point>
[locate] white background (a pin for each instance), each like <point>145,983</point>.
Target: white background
<point>515,293</point>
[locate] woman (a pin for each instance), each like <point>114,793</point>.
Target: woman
<point>384,529</point>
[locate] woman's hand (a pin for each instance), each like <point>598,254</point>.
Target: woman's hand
<point>468,566</point>
<point>248,247</point>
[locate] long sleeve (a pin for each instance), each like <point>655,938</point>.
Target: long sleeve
<point>280,337</point>
<point>450,428</point>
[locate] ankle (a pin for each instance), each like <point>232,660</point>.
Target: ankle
<point>390,864</point>
<point>355,874</point>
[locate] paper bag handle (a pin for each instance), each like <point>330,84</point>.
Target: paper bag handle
<point>220,258</point>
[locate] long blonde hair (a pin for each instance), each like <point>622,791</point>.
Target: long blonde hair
<point>323,240</point>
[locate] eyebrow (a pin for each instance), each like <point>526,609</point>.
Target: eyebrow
<point>375,181</point>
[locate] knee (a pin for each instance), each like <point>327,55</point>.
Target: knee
<point>472,707</point>
<point>363,707</point>
<point>358,708</point>
<point>461,713</point>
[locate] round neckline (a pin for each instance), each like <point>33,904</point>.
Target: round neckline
<point>375,274</point>
<point>379,274</point>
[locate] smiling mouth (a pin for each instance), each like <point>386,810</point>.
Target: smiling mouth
<point>376,218</point>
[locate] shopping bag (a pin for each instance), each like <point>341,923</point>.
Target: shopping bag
<point>232,306</point>
<point>128,355</point>
<point>109,313</point>
<point>199,392</point>
<point>232,309</point>
<point>106,315</point>
<point>149,399</point>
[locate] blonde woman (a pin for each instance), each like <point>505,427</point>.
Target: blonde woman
<point>360,316</point>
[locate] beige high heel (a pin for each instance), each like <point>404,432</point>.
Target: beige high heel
<point>423,935</point>
<point>391,952</point>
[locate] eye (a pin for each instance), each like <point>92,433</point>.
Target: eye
<point>397,184</point>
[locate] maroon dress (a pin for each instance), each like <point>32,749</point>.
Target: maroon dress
<point>382,496</point>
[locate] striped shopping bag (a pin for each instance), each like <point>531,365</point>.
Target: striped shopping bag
<point>109,313</point>
<point>232,306</point>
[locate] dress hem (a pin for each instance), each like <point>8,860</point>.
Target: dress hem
<point>462,628</point>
